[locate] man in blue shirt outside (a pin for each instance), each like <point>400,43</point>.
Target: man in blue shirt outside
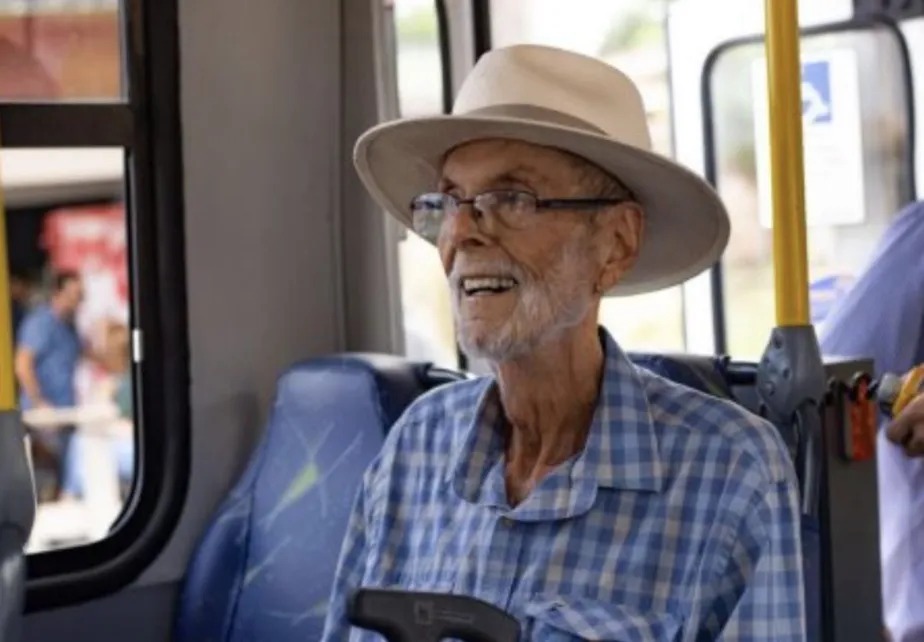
<point>882,317</point>
<point>47,354</point>
<point>589,498</point>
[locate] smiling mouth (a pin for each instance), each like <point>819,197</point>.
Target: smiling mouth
<point>486,285</point>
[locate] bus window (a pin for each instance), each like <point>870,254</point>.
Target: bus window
<point>54,50</point>
<point>856,136</point>
<point>428,327</point>
<point>93,207</point>
<point>629,35</point>
<point>68,256</point>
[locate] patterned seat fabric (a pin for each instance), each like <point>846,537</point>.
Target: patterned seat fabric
<point>264,568</point>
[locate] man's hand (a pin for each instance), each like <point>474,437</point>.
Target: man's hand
<point>907,430</point>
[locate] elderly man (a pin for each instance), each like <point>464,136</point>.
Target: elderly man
<point>588,498</point>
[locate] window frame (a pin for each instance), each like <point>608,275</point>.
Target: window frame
<point>710,154</point>
<point>480,12</point>
<point>146,124</point>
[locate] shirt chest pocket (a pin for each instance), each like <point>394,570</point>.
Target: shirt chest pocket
<point>567,620</point>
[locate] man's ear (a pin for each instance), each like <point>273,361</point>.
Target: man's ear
<point>623,230</point>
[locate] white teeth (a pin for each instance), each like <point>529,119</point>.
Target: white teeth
<point>495,284</point>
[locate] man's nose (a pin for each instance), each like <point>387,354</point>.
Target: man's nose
<point>463,227</point>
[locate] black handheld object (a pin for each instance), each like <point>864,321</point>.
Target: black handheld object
<point>406,616</point>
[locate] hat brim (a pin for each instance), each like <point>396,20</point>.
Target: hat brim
<point>686,224</point>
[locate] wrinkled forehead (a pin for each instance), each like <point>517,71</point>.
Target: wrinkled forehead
<point>479,163</point>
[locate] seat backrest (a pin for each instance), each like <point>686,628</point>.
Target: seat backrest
<point>17,513</point>
<point>264,568</point>
<point>702,373</point>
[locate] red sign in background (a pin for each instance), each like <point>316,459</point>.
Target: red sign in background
<point>92,241</point>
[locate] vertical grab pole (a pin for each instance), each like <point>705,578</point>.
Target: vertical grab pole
<point>17,502</point>
<point>790,251</point>
<point>7,376</point>
<point>791,378</point>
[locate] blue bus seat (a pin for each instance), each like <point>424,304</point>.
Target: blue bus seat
<point>703,373</point>
<point>264,568</point>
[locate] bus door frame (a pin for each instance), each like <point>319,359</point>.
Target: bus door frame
<point>849,605</point>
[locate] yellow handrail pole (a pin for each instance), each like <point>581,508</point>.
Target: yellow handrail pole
<point>784,78</point>
<point>7,376</point>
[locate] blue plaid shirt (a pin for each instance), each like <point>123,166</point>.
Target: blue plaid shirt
<point>678,521</point>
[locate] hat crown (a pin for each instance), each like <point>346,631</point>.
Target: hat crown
<point>545,83</point>
<point>554,98</point>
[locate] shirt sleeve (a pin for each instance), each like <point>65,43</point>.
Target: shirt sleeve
<point>35,334</point>
<point>759,589</point>
<point>356,564</point>
<point>881,316</point>
<point>350,570</point>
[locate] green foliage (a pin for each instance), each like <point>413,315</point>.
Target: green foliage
<point>417,27</point>
<point>638,28</point>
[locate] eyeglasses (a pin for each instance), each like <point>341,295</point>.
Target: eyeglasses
<point>512,208</point>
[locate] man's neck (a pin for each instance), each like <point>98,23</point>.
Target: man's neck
<point>549,399</point>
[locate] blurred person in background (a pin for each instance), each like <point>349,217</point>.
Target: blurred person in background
<point>48,351</point>
<point>118,390</point>
<point>107,382</point>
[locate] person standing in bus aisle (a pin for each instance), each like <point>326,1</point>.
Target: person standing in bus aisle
<point>48,351</point>
<point>588,497</point>
<point>907,431</point>
<point>882,317</point>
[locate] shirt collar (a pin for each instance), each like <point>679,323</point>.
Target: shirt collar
<point>621,450</point>
<point>622,447</point>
